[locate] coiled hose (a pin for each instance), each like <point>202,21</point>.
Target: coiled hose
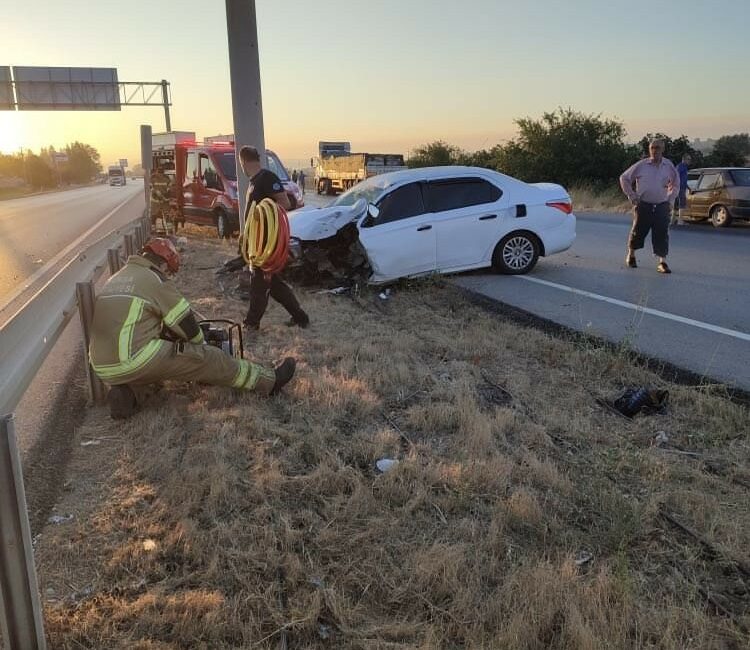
<point>265,241</point>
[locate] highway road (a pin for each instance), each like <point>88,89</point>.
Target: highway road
<point>33,230</point>
<point>697,318</point>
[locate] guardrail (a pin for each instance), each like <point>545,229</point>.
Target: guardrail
<point>27,338</point>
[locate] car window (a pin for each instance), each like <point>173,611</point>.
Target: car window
<point>208,173</point>
<point>709,181</point>
<point>192,166</point>
<point>741,177</point>
<point>274,164</point>
<point>402,203</point>
<point>458,193</point>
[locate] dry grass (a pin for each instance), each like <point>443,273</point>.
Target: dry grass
<point>590,198</point>
<point>215,520</point>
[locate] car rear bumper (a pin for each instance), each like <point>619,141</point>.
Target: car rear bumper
<point>561,238</point>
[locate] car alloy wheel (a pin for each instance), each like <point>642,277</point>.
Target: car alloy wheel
<point>720,217</point>
<point>516,254</point>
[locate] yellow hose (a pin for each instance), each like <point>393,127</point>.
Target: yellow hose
<point>266,226</point>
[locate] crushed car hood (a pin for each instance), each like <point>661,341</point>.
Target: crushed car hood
<point>321,223</point>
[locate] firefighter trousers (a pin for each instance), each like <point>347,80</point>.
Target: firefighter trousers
<point>205,364</point>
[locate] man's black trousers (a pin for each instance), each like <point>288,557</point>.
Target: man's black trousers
<point>652,217</point>
<point>261,287</point>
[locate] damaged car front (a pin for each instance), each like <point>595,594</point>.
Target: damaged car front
<point>325,242</point>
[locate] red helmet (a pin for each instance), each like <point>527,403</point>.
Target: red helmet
<point>165,249</point>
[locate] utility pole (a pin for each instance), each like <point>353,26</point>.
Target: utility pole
<point>244,72</point>
<point>165,99</point>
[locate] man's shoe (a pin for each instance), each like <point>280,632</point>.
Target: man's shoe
<point>302,322</point>
<point>284,373</point>
<point>121,401</point>
<point>630,261</point>
<point>663,268</point>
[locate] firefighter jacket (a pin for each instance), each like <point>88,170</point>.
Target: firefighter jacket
<point>160,185</point>
<point>136,309</point>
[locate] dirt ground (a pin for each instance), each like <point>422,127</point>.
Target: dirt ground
<point>522,513</point>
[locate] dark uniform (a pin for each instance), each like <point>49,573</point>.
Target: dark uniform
<point>263,186</point>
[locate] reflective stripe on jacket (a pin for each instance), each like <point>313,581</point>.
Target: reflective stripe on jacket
<point>131,312</point>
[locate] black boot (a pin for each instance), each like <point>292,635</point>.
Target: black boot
<point>122,402</point>
<point>284,373</point>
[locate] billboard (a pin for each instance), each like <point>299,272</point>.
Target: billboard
<point>6,90</point>
<point>66,89</point>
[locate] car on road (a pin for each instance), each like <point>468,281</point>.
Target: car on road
<point>434,220</point>
<point>721,194</point>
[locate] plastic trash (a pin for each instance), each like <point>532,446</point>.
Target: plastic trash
<point>641,400</point>
<point>59,519</point>
<point>583,557</point>
<point>384,295</point>
<point>386,464</point>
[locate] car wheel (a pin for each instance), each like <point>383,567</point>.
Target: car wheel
<point>329,188</point>
<point>516,253</point>
<point>222,225</point>
<point>720,217</point>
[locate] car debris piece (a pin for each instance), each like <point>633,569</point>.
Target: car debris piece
<point>583,557</point>
<point>647,401</point>
<point>661,438</point>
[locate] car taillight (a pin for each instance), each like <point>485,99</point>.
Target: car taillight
<point>564,206</point>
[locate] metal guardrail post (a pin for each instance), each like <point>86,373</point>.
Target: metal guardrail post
<point>21,620</point>
<point>129,245</point>
<point>113,259</point>
<point>138,234</point>
<point>85,295</point>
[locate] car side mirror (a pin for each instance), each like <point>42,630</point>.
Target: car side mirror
<point>373,210</point>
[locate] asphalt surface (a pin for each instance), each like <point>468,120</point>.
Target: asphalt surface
<point>33,230</point>
<point>697,318</point>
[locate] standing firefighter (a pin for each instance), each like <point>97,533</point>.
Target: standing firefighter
<point>160,188</point>
<point>264,184</point>
<point>144,332</point>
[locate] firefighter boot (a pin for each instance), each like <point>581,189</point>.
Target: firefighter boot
<point>122,402</point>
<point>284,373</point>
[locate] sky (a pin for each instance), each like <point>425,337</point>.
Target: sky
<point>393,74</point>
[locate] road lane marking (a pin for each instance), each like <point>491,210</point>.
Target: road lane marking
<point>639,308</point>
<point>31,280</point>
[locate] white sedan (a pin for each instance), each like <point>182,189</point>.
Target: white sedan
<point>436,219</point>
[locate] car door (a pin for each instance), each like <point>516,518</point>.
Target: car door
<point>208,188</point>
<point>701,199</point>
<point>189,187</point>
<point>401,241</point>
<point>466,215</point>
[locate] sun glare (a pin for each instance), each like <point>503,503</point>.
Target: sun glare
<point>12,132</point>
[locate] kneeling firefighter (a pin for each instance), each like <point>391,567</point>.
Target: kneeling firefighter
<point>144,332</point>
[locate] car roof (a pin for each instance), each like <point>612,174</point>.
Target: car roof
<point>718,169</point>
<point>433,173</point>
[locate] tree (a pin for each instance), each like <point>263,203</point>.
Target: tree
<point>673,149</point>
<point>566,147</point>
<point>83,163</point>
<point>730,151</point>
<point>436,154</point>
<point>38,173</point>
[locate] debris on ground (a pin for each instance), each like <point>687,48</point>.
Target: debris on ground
<point>59,519</point>
<point>384,295</point>
<point>386,464</point>
<point>646,401</point>
<point>661,438</point>
<point>583,557</point>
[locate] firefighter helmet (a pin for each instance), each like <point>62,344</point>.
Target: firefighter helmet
<point>165,249</point>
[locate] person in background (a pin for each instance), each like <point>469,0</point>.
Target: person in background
<point>651,185</point>
<point>682,172</point>
<point>264,184</point>
<point>144,332</point>
<point>301,178</point>
<point>294,175</point>
<point>160,189</point>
